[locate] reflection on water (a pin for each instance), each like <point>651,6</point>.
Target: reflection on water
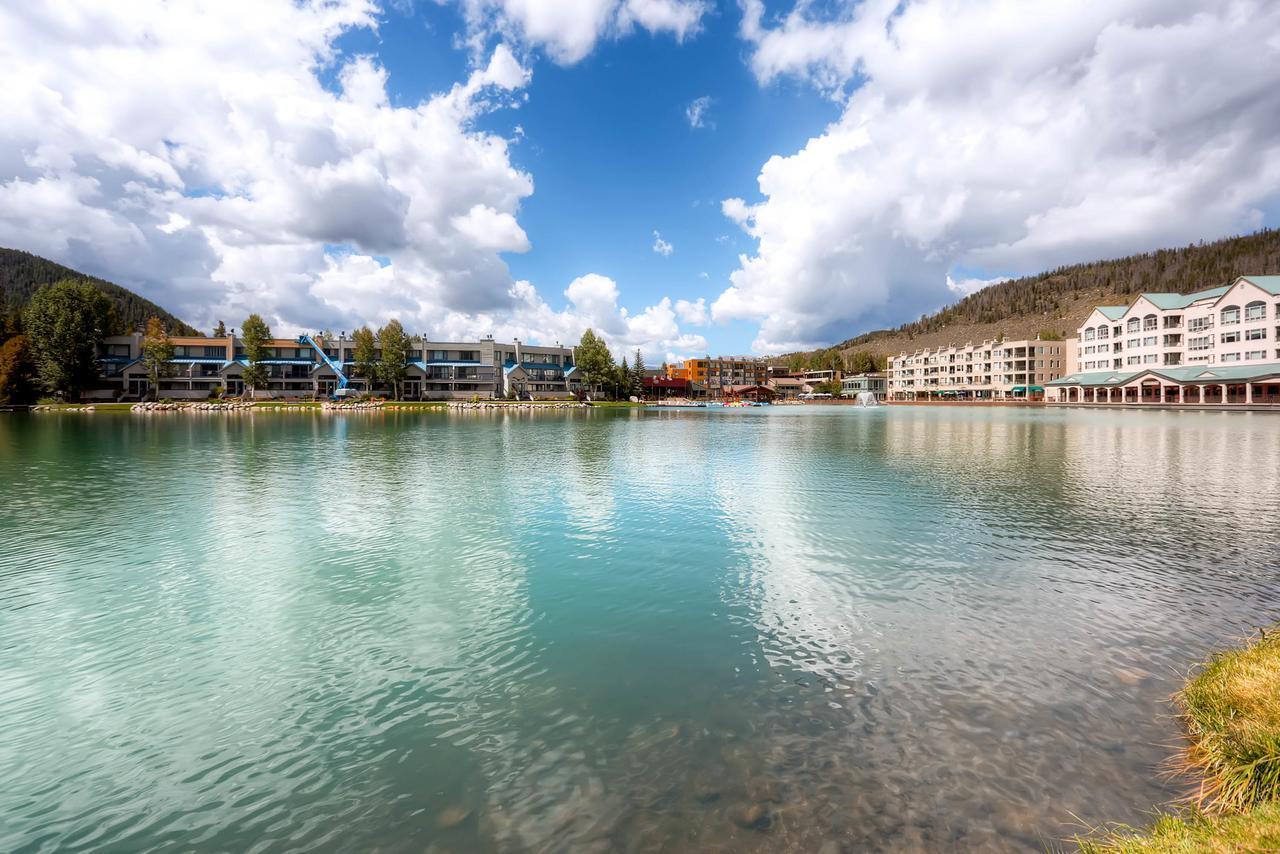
<point>802,629</point>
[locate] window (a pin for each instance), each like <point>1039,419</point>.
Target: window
<point>1257,355</point>
<point>1231,314</point>
<point>1255,334</point>
<point>1133,342</point>
<point>1089,334</point>
<point>1149,341</point>
<point>1256,310</point>
<point>1230,357</point>
<point>1132,360</point>
<point>1200,324</point>
<point>1149,359</point>
<point>1205,343</point>
<point>1149,322</point>
<point>117,350</point>
<point>1230,337</point>
<point>1102,332</point>
<point>1132,325</point>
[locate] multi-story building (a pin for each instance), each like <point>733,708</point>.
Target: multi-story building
<point>1176,348</point>
<point>992,370</point>
<point>718,374</point>
<point>854,384</point>
<point>318,365</point>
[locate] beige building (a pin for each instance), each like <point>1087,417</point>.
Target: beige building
<point>1218,346</point>
<point>992,370</point>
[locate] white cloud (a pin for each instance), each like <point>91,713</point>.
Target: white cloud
<point>692,313</point>
<point>661,246</point>
<point>961,288</point>
<point>568,30</point>
<point>190,151</point>
<point>696,113</point>
<point>993,134</point>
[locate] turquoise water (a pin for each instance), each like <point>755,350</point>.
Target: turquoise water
<point>797,629</point>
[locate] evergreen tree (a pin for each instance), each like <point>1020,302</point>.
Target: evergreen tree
<point>17,372</point>
<point>220,331</point>
<point>255,334</point>
<point>65,323</point>
<point>637,374</point>
<point>395,344</point>
<point>157,350</point>
<point>624,378</point>
<point>365,357</point>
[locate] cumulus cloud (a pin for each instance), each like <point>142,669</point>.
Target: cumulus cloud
<point>191,151</point>
<point>961,288</point>
<point>661,246</point>
<point>696,112</point>
<point>693,313</point>
<point>568,30</point>
<point>995,135</point>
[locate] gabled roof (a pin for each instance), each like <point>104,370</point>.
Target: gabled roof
<point>1181,374</point>
<point>1113,312</point>
<point>1270,284</point>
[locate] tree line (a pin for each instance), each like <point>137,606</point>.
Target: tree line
<point>599,371</point>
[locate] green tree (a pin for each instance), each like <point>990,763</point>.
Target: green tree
<point>65,324</point>
<point>622,379</point>
<point>594,360</point>
<point>637,374</point>
<point>254,334</point>
<point>157,350</point>
<point>17,372</point>
<point>365,356</point>
<point>862,362</point>
<point>395,344</point>
<point>220,331</point>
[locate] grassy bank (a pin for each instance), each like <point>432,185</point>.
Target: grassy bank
<point>1230,708</point>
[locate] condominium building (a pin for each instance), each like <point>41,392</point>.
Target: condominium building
<point>876,383</point>
<point>718,374</point>
<point>318,365</point>
<point>992,370</point>
<point>1220,345</point>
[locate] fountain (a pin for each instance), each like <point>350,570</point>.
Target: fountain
<point>866,399</point>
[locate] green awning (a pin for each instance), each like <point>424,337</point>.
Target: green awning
<point>1036,388</point>
<point>1018,388</point>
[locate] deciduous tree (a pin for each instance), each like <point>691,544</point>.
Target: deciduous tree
<point>17,372</point>
<point>594,360</point>
<point>157,350</point>
<point>365,356</point>
<point>395,344</point>
<point>65,323</point>
<point>254,334</point>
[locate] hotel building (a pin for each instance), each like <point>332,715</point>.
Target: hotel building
<point>318,366</point>
<point>1219,346</point>
<point>992,370</point>
<point>719,374</point>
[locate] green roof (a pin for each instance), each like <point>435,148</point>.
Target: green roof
<point>1113,312</point>
<point>1270,284</point>
<point>1180,374</point>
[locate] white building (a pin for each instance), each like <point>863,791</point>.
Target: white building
<point>1220,346</point>
<point>992,370</point>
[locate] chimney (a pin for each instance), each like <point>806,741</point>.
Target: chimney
<point>518,359</point>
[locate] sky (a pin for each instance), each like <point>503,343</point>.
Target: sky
<point>687,177</point>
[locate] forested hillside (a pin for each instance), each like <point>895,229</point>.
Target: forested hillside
<point>22,274</point>
<point>1055,303</point>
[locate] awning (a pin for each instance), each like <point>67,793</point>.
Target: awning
<point>1018,388</point>
<point>1036,388</point>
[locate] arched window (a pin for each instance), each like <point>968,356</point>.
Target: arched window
<point>1150,322</point>
<point>1103,331</point>
<point>1231,314</point>
<point>1088,334</point>
<point>1256,310</point>
<point>1133,324</point>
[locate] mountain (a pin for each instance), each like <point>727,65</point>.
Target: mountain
<point>1054,304</point>
<point>22,274</point>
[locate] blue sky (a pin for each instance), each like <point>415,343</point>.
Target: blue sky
<point>505,167</point>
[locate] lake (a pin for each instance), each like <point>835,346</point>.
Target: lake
<point>788,629</point>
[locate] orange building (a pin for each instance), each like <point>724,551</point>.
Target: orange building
<point>722,372</point>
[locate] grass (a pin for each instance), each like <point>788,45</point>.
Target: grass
<point>1230,708</point>
<point>1194,832</point>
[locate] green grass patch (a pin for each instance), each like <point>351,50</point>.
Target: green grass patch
<point>1194,832</point>
<point>1231,709</point>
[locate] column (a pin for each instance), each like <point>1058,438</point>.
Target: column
<point>1201,394</point>
<point>1248,392</point>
